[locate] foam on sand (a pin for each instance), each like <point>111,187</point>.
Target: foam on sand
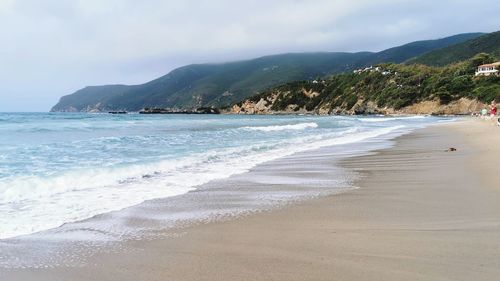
<point>385,119</point>
<point>33,203</point>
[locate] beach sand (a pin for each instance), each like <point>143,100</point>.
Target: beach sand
<point>420,213</point>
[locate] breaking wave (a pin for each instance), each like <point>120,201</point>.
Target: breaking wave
<point>299,126</point>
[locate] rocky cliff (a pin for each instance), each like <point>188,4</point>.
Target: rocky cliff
<point>463,106</point>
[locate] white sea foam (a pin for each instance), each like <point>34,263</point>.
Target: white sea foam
<point>299,126</point>
<point>33,203</point>
<point>385,119</point>
<point>379,119</point>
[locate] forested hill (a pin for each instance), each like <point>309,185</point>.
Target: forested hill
<point>488,43</point>
<point>223,84</point>
<point>385,89</point>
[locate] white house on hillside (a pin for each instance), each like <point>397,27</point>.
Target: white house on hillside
<point>488,69</point>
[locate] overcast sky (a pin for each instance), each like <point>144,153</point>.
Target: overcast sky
<point>50,48</point>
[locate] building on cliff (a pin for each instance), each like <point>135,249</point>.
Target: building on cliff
<point>488,69</point>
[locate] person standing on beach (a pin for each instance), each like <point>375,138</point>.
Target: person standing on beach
<point>493,108</point>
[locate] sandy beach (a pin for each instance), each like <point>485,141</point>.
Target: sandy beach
<point>420,213</point>
<point>250,140</point>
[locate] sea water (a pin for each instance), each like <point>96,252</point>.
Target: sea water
<point>57,168</point>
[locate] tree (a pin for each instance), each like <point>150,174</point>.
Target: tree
<point>479,59</point>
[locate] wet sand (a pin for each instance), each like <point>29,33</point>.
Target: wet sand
<point>420,213</point>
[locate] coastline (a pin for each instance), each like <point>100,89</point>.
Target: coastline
<point>420,214</point>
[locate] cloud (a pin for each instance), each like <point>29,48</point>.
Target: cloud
<point>51,48</point>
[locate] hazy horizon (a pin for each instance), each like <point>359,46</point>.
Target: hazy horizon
<point>54,48</point>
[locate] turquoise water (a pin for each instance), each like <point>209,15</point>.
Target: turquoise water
<point>63,167</point>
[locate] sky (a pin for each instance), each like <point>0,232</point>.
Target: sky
<point>51,48</point>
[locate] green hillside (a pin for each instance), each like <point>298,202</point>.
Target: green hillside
<point>489,43</point>
<point>210,84</point>
<point>402,53</point>
<point>223,84</point>
<point>387,86</point>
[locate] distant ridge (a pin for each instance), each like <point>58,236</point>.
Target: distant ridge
<point>488,43</point>
<point>223,84</point>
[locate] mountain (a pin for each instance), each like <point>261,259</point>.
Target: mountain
<point>488,43</point>
<point>223,84</point>
<point>383,89</point>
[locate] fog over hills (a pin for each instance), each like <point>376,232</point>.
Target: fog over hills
<point>225,83</point>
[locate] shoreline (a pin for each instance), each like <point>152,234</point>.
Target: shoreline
<point>356,235</point>
<point>362,143</point>
<point>274,113</point>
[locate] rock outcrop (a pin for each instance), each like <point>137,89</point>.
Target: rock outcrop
<point>462,106</point>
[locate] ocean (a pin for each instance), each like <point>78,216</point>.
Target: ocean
<point>58,168</point>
